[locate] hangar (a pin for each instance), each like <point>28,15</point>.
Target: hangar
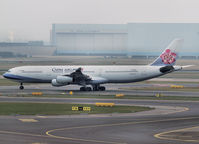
<point>132,39</point>
<point>90,39</point>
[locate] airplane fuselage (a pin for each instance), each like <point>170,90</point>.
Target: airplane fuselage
<point>108,74</point>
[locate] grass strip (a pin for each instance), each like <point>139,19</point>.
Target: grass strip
<point>7,108</point>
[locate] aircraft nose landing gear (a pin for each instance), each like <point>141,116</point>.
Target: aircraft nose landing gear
<point>21,86</point>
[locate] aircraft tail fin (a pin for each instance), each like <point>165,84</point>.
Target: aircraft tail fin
<point>169,56</point>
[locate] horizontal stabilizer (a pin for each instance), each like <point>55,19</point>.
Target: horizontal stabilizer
<point>186,66</point>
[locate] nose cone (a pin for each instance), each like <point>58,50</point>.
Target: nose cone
<point>6,75</point>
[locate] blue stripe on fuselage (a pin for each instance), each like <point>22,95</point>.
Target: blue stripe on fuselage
<point>24,79</point>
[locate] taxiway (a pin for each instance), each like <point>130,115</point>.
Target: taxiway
<point>144,127</point>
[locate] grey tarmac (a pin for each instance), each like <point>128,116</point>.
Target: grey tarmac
<point>138,128</point>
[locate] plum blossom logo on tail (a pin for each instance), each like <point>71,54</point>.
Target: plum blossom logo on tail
<point>168,57</point>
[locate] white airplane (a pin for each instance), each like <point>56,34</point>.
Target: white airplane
<point>97,75</point>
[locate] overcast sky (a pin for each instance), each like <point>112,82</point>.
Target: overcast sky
<point>32,19</point>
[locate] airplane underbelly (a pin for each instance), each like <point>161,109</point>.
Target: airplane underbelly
<point>121,77</point>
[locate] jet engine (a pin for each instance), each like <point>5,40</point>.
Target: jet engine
<point>64,79</point>
<point>61,81</point>
<point>54,83</point>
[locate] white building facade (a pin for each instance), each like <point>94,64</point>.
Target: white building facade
<point>123,39</point>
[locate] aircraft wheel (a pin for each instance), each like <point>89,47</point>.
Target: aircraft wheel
<point>21,87</point>
<point>88,89</point>
<point>102,88</point>
<point>82,89</point>
<point>85,89</point>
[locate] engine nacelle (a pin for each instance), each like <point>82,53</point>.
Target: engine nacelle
<point>54,83</point>
<point>63,79</point>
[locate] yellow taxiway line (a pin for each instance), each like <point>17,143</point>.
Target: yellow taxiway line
<point>49,135</point>
<point>107,125</point>
<point>94,141</point>
<point>28,120</point>
<point>162,134</point>
<point>23,134</point>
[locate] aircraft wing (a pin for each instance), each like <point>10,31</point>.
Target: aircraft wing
<point>80,78</point>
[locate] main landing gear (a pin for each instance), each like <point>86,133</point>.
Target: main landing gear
<point>99,88</point>
<point>85,89</point>
<point>21,86</point>
<point>95,88</point>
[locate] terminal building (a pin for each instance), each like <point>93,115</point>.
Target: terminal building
<point>132,39</point>
<point>25,49</point>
